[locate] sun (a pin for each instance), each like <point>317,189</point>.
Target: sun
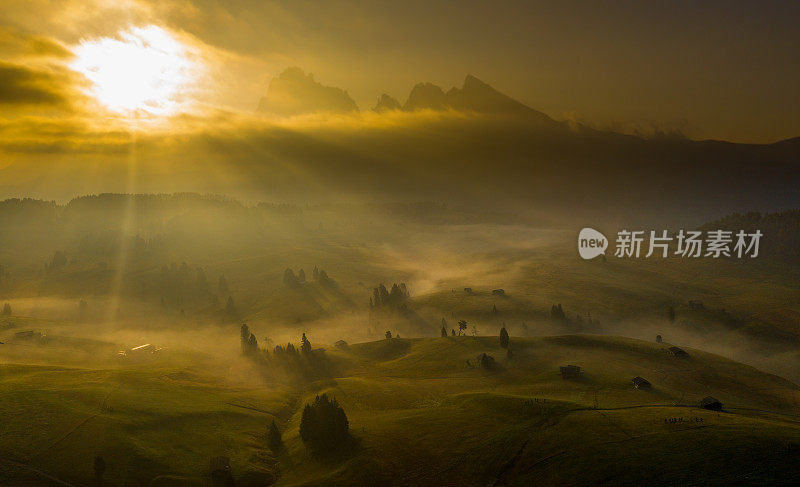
<point>141,70</point>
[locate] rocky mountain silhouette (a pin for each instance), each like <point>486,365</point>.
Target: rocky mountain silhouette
<point>474,96</point>
<point>426,96</point>
<point>294,92</point>
<point>387,103</point>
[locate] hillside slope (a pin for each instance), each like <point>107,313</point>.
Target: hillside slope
<point>419,414</point>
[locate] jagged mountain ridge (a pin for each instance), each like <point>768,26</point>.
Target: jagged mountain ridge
<point>295,92</point>
<point>387,103</point>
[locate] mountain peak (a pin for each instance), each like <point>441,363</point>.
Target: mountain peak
<point>294,92</point>
<point>387,103</point>
<point>475,96</point>
<point>426,96</point>
<point>473,81</point>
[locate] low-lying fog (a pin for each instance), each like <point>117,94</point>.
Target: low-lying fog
<point>148,295</point>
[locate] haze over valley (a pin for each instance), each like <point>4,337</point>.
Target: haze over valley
<point>255,243</point>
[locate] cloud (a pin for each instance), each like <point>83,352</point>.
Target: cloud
<point>15,43</point>
<point>26,85</point>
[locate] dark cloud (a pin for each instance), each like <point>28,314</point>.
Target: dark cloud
<point>24,85</point>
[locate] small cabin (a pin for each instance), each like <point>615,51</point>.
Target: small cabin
<point>659,339</point>
<point>641,383</point>
<point>142,349</point>
<point>696,305</point>
<point>140,353</point>
<point>570,371</point>
<point>677,352</point>
<point>499,292</point>
<point>711,403</point>
<point>28,335</point>
<point>340,344</point>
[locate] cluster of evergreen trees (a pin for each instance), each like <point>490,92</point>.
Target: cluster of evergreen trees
<point>588,321</point>
<point>462,329</point>
<point>319,276</point>
<point>249,341</point>
<point>486,361</point>
<point>557,314</point>
<point>305,348</point>
<point>179,286</point>
<point>382,297</point>
<point>250,345</point>
<point>324,425</point>
<point>297,361</point>
<point>56,262</point>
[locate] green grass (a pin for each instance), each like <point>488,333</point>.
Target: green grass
<point>419,415</point>
<point>139,419</point>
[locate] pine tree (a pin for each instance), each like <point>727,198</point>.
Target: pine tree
<point>252,344</point>
<point>324,279</point>
<point>274,439</point>
<point>503,337</point>
<point>671,314</point>
<point>323,425</point>
<point>7,309</point>
<point>245,337</point>
<point>230,309</point>
<point>557,313</point>
<point>289,278</point>
<point>305,346</point>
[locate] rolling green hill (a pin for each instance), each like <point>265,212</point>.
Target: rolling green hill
<point>419,415</point>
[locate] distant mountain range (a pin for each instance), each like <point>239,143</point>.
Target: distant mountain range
<point>294,92</point>
<point>521,162</point>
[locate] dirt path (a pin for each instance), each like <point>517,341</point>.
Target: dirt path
<point>251,408</point>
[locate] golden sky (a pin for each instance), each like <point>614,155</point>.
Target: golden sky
<point>724,70</point>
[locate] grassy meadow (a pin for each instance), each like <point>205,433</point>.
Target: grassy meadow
<point>422,408</point>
